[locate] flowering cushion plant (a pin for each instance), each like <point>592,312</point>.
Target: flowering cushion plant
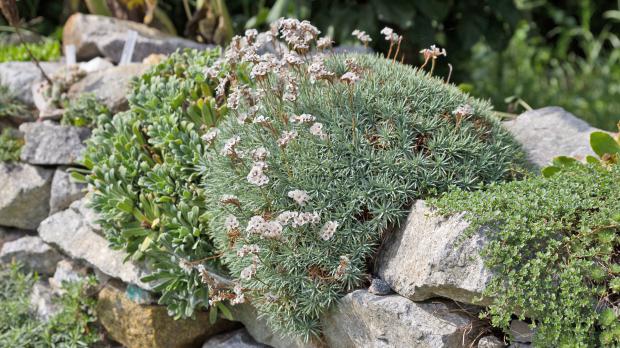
<point>322,154</point>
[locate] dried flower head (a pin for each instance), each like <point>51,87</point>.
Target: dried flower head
<point>324,43</point>
<point>210,135</point>
<point>463,111</point>
<point>299,196</point>
<point>229,146</point>
<point>350,78</point>
<point>303,118</point>
<point>328,230</point>
<point>286,137</point>
<point>362,36</point>
<point>317,130</point>
<point>342,266</point>
<point>259,154</point>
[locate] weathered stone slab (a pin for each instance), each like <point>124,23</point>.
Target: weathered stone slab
<point>64,191</point>
<point>48,143</point>
<point>111,86</point>
<point>19,77</point>
<point>550,132</point>
<point>365,320</point>
<point>32,253</point>
<point>25,193</point>
<point>72,231</point>
<point>105,36</point>
<point>233,339</point>
<point>139,326</point>
<point>428,258</point>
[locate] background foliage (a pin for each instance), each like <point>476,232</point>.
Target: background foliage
<point>72,326</point>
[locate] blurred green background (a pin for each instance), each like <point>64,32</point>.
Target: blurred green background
<point>517,53</point>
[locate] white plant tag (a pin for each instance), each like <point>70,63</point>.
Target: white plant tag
<point>130,44</point>
<point>70,55</point>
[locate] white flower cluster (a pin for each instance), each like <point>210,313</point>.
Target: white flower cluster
<point>299,196</point>
<point>390,35</point>
<point>362,36</point>
<point>248,272</point>
<point>298,35</point>
<point>350,77</point>
<point>286,137</point>
<point>328,230</point>
<point>303,118</point>
<point>248,249</point>
<point>433,52</point>
<point>259,154</point>
<point>297,219</point>
<point>239,296</point>
<point>257,174</point>
<point>266,229</point>
<point>463,111</point>
<point>318,71</point>
<point>230,145</point>
<point>231,223</point>
<point>210,135</point>
<point>317,130</point>
<point>324,43</point>
<point>230,199</point>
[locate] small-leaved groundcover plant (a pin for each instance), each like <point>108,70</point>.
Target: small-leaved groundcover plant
<point>320,155</point>
<point>143,168</point>
<point>554,247</point>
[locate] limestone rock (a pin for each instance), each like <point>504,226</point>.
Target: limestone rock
<point>379,286</point>
<point>74,234</point>
<point>32,253</point>
<point>261,332</point>
<point>64,191</point>
<point>9,234</point>
<point>521,332</point>
<point>490,342</point>
<point>111,86</point>
<point>105,36</point>
<point>549,132</point>
<point>66,271</point>
<point>19,77</point>
<point>24,195</point>
<point>41,301</point>
<point>95,64</point>
<point>138,326</point>
<point>47,143</point>
<point>426,258</point>
<point>233,339</point>
<point>362,319</point>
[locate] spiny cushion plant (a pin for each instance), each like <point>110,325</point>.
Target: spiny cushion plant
<point>323,154</point>
<point>555,252</point>
<point>143,167</point>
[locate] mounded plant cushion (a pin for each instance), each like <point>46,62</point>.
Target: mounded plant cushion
<point>320,158</point>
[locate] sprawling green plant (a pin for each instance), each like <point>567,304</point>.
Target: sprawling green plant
<point>85,111</point>
<point>322,156</point>
<point>554,252</point>
<point>10,145</point>
<point>43,51</point>
<point>9,105</point>
<point>144,166</point>
<point>72,326</point>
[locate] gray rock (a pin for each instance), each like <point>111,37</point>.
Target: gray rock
<point>111,86</point>
<point>67,271</point>
<point>519,345</point>
<point>19,77</point>
<point>48,143</point>
<point>521,332</point>
<point>105,36</point>
<point>64,191</point>
<point>8,234</point>
<point>379,286</point>
<point>95,64</point>
<point>550,132</point>
<point>25,193</point>
<point>362,319</point>
<point>71,231</point>
<point>260,330</point>
<point>426,258</point>
<point>490,342</point>
<point>32,253</point>
<point>41,301</point>
<point>234,339</point>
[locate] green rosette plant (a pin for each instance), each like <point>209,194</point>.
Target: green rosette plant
<point>320,156</point>
<point>144,167</point>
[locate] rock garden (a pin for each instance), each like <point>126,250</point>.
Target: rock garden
<point>281,191</point>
